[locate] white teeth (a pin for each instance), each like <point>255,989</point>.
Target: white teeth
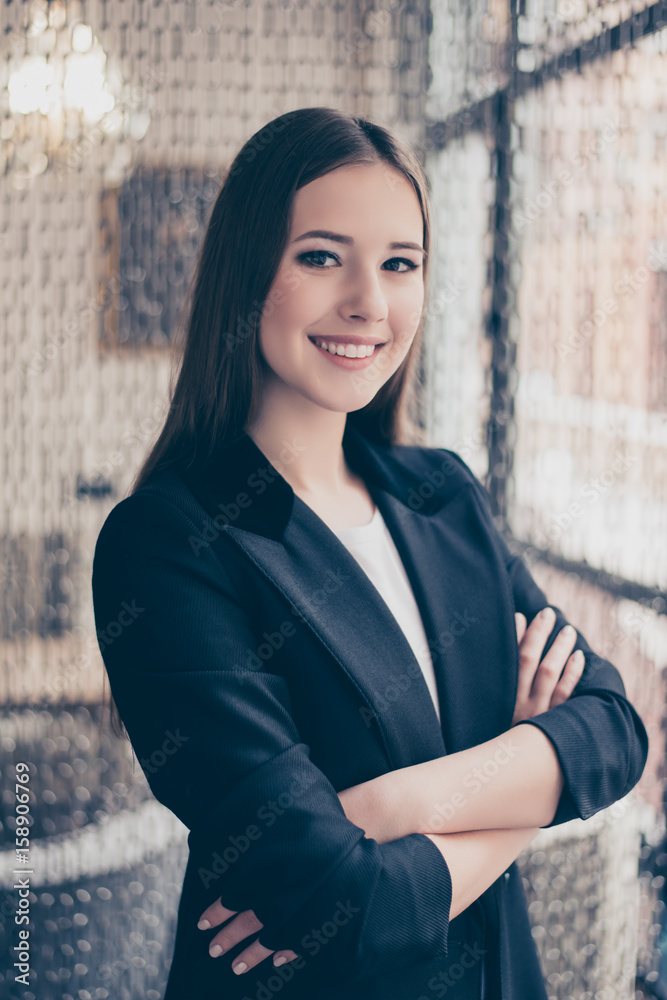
<point>347,350</point>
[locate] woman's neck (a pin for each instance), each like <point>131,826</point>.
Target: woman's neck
<point>310,457</point>
<point>308,454</point>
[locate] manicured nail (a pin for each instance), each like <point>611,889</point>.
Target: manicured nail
<point>238,969</point>
<point>215,950</point>
<point>280,961</point>
<point>568,631</point>
<point>203,925</point>
<point>546,613</point>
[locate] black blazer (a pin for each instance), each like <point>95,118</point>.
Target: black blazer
<point>258,671</point>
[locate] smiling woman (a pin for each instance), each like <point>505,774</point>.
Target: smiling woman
<point>355,305</point>
<point>375,717</point>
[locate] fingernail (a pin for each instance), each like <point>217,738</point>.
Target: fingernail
<point>546,613</point>
<point>238,969</point>
<point>280,961</point>
<point>568,631</point>
<point>203,925</point>
<point>215,950</point>
<point>579,655</point>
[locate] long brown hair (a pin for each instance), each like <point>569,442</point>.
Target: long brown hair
<point>217,360</point>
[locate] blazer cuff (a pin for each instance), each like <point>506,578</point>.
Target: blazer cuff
<point>567,807</point>
<point>353,908</point>
<point>362,894</point>
<point>602,747</point>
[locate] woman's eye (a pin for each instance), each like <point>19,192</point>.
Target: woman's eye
<point>307,259</point>
<point>410,266</point>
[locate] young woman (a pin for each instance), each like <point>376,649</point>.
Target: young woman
<point>333,655</point>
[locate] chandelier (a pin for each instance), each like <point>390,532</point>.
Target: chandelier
<point>63,100</point>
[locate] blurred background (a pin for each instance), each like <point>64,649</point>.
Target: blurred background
<point>542,125</point>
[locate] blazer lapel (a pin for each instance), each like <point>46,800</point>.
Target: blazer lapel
<point>462,589</point>
<point>318,575</point>
<point>304,559</point>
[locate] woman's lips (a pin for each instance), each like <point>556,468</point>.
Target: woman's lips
<point>352,364</point>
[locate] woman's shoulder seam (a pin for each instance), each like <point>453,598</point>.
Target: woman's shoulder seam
<point>148,492</point>
<point>434,455</point>
<point>151,492</point>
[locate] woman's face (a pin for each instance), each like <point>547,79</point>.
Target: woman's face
<point>352,284</point>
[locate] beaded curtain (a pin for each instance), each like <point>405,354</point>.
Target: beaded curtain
<point>542,125</point>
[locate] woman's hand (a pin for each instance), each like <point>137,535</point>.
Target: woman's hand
<point>236,930</point>
<point>539,687</point>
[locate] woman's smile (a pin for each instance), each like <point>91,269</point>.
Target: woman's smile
<point>339,353</point>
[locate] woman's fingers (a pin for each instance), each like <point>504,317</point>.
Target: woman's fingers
<point>543,685</point>
<point>530,651</point>
<point>244,924</point>
<point>520,622</point>
<point>551,667</point>
<point>281,957</point>
<point>256,953</point>
<point>214,914</point>
<point>250,957</point>
<point>574,668</point>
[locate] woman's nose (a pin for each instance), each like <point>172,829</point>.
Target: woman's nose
<point>365,298</point>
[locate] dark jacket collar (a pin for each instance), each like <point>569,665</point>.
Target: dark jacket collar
<point>256,497</point>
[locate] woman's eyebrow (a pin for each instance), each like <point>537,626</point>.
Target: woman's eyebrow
<point>338,238</point>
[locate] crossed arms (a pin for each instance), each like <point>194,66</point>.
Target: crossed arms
<point>171,668</point>
<point>480,806</point>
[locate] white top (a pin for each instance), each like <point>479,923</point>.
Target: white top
<point>374,549</point>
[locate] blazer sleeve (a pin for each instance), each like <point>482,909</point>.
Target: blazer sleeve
<point>600,740</point>
<point>219,748</point>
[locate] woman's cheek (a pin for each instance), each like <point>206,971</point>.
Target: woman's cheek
<point>291,280</point>
<point>404,329</point>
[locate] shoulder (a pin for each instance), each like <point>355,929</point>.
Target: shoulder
<point>163,512</point>
<point>448,461</point>
<point>432,471</point>
<point>152,539</point>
